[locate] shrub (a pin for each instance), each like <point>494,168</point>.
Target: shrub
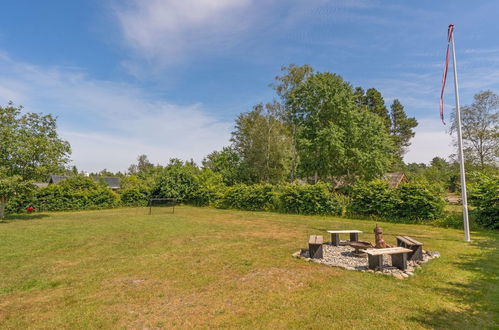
<point>408,201</point>
<point>19,202</point>
<point>256,197</point>
<point>484,195</point>
<point>373,199</point>
<point>416,201</point>
<point>75,193</point>
<point>135,196</point>
<point>177,181</point>
<point>210,190</point>
<point>309,199</point>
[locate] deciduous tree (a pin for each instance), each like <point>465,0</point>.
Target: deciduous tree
<point>480,129</point>
<point>30,149</point>
<point>292,76</point>
<point>337,137</point>
<point>262,140</point>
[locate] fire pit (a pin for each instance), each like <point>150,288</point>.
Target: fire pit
<point>358,246</point>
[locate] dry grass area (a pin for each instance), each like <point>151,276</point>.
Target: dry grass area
<point>208,268</point>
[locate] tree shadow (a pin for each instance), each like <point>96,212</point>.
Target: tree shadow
<point>479,297</point>
<point>23,217</point>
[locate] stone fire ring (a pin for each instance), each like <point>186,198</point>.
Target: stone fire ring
<point>343,256</point>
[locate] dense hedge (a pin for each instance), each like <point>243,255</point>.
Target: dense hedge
<point>409,201</point>
<point>291,198</point>
<point>210,189</point>
<point>135,196</point>
<point>192,186</point>
<point>253,198</point>
<point>177,181</point>
<point>309,199</point>
<point>74,193</point>
<point>484,195</point>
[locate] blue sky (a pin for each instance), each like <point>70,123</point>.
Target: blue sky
<point>167,78</point>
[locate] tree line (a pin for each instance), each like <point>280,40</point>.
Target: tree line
<point>318,127</point>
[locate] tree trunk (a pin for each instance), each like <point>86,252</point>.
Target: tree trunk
<point>3,201</point>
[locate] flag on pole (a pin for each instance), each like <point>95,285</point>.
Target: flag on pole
<point>464,197</point>
<point>450,31</point>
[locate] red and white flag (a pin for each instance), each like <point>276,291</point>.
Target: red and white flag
<point>450,31</point>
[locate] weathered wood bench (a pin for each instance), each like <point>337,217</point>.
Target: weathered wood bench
<point>398,254</point>
<point>411,243</point>
<point>335,236</point>
<point>315,246</point>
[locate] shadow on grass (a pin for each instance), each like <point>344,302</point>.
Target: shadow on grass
<point>23,217</point>
<point>479,297</point>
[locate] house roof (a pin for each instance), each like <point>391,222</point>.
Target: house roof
<point>56,178</point>
<point>112,182</point>
<point>394,179</point>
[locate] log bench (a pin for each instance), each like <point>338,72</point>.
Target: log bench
<point>335,236</point>
<point>398,254</point>
<point>415,246</point>
<point>315,246</point>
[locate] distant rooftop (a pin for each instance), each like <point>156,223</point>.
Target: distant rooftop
<point>112,182</point>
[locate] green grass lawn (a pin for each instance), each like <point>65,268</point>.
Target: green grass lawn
<point>202,267</point>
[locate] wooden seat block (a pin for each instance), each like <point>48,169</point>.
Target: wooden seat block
<point>415,246</point>
<point>335,235</point>
<point>398,254</point>
<point>394,250</point>
<point>316,239</point>
<point>315,246</point>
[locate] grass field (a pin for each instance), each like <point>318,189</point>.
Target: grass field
<point>202,267</point>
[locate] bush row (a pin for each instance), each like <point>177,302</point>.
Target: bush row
<point>291,198</point>
<point>375,199</point>
<point>408,201</point>
<point>76,193</point>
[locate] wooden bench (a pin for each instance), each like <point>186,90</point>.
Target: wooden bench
<point>315,246</point>
<point>335,236</point>
<point>398,254</point>
<point>415,246</point>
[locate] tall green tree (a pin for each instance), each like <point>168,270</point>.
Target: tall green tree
<point>292,76</point>
<point>338,138</point>
<point>143,165</point>
<point>262,140</point>
<point>228,163</point>
<point>480,129</point>
<point>402,128</point>
<point>376,104</point>
<point>30,149</point>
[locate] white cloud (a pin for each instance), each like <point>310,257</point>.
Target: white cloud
<point>108,124</point>
<point>431,140</point>
<point>166,30</point>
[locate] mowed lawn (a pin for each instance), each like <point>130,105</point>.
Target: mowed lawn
<point>202,267</point>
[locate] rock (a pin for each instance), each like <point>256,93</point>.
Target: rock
<point>297,254</point>
<point>433,254</point>
<point>410,273</point>
<point>398,276</point>
<point>404,275</point>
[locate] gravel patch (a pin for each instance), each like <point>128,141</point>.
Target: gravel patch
<point>342,256</point>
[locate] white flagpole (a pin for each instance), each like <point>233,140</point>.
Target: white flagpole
<point>464,196</point>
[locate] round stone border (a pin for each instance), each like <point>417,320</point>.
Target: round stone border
<point>342,256</point>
